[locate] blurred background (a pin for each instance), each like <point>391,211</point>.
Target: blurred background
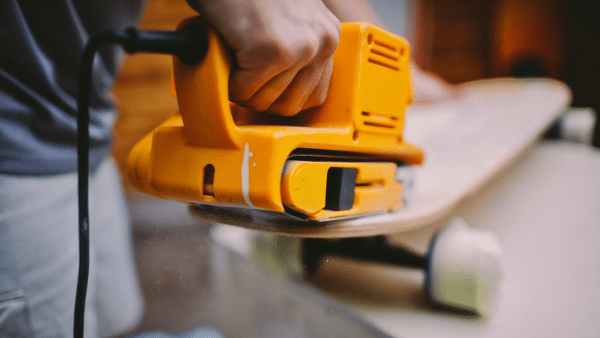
<point>460,40</point>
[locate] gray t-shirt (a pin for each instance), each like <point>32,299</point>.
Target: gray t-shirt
<point>41,43</point>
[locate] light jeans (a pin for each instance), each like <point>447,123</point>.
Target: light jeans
<point>39,257</point>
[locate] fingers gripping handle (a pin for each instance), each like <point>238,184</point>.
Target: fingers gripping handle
<point>203,95</point>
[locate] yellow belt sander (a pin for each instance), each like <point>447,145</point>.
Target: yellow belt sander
<point>336,160</point>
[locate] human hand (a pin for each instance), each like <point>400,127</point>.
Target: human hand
<point>283,50</point>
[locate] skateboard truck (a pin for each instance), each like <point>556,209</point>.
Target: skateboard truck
<point>334,161</point>
<point>462,266</point>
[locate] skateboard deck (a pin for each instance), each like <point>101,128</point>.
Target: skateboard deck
<point>467,141</point>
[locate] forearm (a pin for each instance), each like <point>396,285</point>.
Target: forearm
<point>353,11</point>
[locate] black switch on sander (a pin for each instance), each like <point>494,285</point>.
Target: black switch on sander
<point>339,194</point>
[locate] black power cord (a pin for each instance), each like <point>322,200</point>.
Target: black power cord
<point>191,45</point>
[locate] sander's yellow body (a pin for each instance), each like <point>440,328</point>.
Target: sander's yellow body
<point>336,160</point>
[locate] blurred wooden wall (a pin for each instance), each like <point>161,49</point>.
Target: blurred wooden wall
<point>453,38</point>
<point>142,88</point>
<point>464,40</point>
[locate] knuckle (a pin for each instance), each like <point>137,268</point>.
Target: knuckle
<point>309,50</point>
<point>330,42</point>
<point>236,95</point>
<point>239,92</point>
<point>279,53</point>
<point>299,51</point>
<point>333,20</point>
<point>267,53</point>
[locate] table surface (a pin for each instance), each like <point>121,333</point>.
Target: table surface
<point>545,210</point>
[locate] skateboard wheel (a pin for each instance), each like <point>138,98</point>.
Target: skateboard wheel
<point>463,268</point>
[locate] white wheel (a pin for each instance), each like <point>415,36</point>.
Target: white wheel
<point>464,269</point>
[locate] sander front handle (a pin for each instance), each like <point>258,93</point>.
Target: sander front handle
<point>203,94</point>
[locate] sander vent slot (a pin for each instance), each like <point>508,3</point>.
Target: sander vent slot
<point>385,45</point>
<point>385,55</point>
<point>209,178</point>
<point>379,120</point>
<point>384,64</point>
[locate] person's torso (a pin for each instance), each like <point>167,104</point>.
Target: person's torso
<point>41,43</point>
